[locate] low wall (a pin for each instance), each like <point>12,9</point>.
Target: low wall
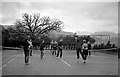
<point>108,51</point>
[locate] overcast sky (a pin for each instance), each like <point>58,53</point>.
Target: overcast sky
<point>77,16</point>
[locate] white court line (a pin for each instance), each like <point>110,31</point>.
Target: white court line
<point>9,61</point>
<point>65,62</point>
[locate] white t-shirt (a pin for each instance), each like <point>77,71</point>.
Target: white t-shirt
<point>85,46</point>
<point>30,44</point>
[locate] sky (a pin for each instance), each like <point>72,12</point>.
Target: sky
<point>77,16</point>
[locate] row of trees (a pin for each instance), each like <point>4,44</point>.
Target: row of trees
<point>39,28</point>
<point>31,25</point>
<point>15,39</point>
<point>35,27</point>
<point>68,41</point>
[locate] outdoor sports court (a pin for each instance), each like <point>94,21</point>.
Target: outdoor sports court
<point>97,64</point>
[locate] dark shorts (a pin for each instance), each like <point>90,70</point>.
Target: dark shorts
<point>41,49</point>
<point>85,52</point>
<point>55,48</point>
<point>89,48</point>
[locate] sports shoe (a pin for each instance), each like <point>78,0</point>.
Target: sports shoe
<point>84,61</point>
<point>27,63</point>
<point>77,60</point>
<point>40,56</point>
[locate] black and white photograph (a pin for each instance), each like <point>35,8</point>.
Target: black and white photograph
<point>59,37</point>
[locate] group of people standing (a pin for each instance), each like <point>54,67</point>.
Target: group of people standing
<point>56,48</point>
<point>82,48</point>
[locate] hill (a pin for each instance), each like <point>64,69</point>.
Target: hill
<point>105,33</point>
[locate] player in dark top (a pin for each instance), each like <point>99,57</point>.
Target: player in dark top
<point>89,48</point>
<point>60,45</point>
<point>51,46</point>
<point>42,46</point>
<point>78,49</point>
<point>26,51</point>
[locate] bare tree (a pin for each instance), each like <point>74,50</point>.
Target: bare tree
<point>34,25</point>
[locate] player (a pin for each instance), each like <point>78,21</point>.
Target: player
<point>60,45</point>
<point>26,51</point>
<point>42,45</point>
<point>84,52</point>
<point>54,48</point>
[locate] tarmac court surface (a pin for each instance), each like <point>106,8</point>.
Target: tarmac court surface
<point>97,64</point>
